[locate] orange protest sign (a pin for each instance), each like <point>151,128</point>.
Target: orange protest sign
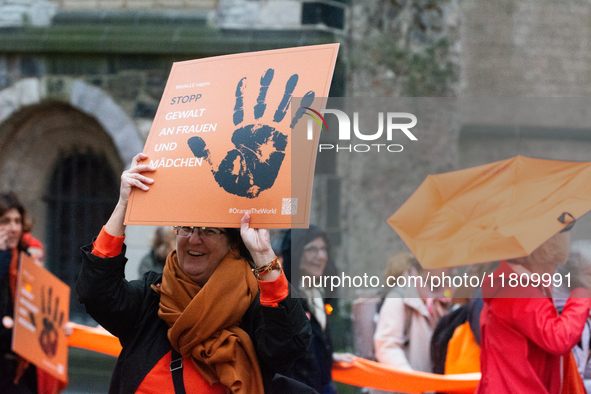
<point>222,140</point>
<point>41,311</point>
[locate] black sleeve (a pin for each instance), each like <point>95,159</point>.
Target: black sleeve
<point>281,334</point>
<point>6,302</point>
<point>110,299</point>
<point>5,258</point>
<point>6,309</point>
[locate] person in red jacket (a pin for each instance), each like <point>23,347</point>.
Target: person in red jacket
<point>523,337</point>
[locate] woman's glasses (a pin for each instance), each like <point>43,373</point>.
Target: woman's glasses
<point>313,250</point>
<point>185,231</point>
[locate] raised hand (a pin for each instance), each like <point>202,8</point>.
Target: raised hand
<point>129,179</point>
<point>3,239</point>
<point>134,178</point>
<point>253,165</point>
<point>258,242</point>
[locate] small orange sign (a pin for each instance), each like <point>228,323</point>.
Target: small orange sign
<point>40,314</point>
<point>222,140</point>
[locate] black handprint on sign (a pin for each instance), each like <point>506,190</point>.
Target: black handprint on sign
<point>254,164</point>
<point>51,322</point>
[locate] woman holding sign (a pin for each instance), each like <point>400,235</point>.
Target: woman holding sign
<point>16,375</point>
<point>202,326</point>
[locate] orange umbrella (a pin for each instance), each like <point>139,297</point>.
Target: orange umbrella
<point>492,212</point>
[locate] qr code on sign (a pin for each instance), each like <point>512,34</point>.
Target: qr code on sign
<point>289,206</point>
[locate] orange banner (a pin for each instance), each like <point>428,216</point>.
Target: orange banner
<point>365,373</point>
<point>41,311</point>
<point>96,339</point>
<point>357,372</point>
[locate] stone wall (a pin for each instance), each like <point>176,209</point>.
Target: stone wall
<point>28,12</point>
<point>402,48</point>
<point>531,49</point>
<point>392,48</point>
<point>42,119</point>
<point>110,67</point>
<point>526,48</point>
<point>468,48</point>
<point>136,85</point>
<point>395,49</point>
<point>135,4</point>
<point>117,93</point>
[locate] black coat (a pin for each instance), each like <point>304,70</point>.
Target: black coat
<point>8,360</point>
<point>314,368</point>
<point>129,310</point>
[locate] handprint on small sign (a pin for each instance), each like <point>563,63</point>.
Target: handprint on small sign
<point>52,321</point>
<point>254,164</point>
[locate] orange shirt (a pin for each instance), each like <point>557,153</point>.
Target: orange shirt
<point>159,380</point>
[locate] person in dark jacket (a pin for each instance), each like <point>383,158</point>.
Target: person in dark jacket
<point>16,375</point>
<point>202,326</point>
<point>307,255</point>
<point>163,242</point>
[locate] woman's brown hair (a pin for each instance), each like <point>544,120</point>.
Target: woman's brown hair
<point>10,201</point>
<point>236,242</point>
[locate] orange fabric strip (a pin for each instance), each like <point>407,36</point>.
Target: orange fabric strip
<point>96,339</point>
<point>365,373</point>
<point>272,292</point>
<point>107,245</point>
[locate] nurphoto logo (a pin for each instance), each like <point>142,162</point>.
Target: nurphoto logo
<point>395,122</point>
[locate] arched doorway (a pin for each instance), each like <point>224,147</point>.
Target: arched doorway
<point>64,167</point>
<point>80,197</point>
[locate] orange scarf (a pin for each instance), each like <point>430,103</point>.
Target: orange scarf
<point>204,322</point>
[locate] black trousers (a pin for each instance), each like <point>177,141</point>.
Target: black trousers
<point>27,383</point>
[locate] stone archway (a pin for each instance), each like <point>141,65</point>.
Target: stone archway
<point>43,120</point>
<point>34,138</point>
<point>80,95</point>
